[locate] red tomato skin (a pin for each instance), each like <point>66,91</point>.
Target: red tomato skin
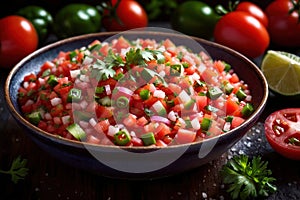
<point>277,142</point>
<point>284,27</point>
<point>18,38</point>
<point>254,10</point>
<point>242,32</point>
<point>131,14</point>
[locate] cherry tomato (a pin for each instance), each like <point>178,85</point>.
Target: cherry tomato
<point>282,129</point>
<point>130,15</point>
<point>242,32</point>
<point>284,27</point>
<point>254,10</point>
<point>18,38</point>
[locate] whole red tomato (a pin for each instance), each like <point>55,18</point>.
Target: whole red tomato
<point>129,15</point>
<point>284,26</point>
<point>18,38</point>
<point>254,10</point>
<point>242,32</point>
<point>282,130</point>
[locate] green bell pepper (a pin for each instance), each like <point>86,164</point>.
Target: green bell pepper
<point>41,19</point>
<point>76,19</point>
<point>195,18</point>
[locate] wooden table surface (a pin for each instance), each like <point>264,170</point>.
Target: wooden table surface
<point>49,178</point>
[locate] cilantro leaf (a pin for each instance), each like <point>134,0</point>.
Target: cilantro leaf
<point>17,170</point>
<point>247,179</point>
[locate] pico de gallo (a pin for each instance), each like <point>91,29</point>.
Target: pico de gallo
<point>135,93</point>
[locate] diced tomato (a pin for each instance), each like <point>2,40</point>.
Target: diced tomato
<point>184,136</point>
<point>236,121</point>
<point>201,102</point>
<point>30,77</point>
<point>231,106</point>
<point>102,126</point>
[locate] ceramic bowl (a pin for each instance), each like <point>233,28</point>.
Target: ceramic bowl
<point>130,162</point>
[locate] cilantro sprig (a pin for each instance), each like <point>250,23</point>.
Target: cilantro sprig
<point>17,170</point>
<point>247,179</point>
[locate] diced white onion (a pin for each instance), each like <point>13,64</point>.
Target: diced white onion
<point>159,94</point>
<point>184,97</point>
<point>29,102</point>
<point>125,90</point>
<point>25,84</point>
<point>107,89</point>
<point>48,116</point>
<point>42,81</point>
<point>55,101</point>
<point>112,130</point>
<point>74,73</point>
<point>87,60</point>
<point>92,122</point>
<point>172,116</point>
<point>65,119</point>
<point>195,124</point>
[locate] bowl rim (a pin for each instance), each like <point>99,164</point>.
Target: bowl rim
<point>80,144</point>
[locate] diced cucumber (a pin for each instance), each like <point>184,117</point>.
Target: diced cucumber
<point>76,131</point>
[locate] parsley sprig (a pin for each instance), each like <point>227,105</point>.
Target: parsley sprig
<point>248,179</point>
<point>17,170</point>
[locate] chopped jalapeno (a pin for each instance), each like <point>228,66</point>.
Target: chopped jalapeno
<point>144,94</point>
<point>52,80</point>
<point>46,73</point>
<point>122,138</point>
<point>229,118</point>
<point>122,102</point>
<point>214,93</point>
<point>206,123</point>
<point>241,95</point>
<point>99,90</point>
<point>247,110</point>
<point>35,117</point>
<point>228,88</point>
<point>148,138</point>
<point>74,95</point>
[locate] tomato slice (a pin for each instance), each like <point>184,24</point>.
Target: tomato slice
<point>282,129</point>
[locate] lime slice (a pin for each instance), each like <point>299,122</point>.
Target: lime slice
<point>282,71</point>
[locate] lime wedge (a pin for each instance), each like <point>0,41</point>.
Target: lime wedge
<point>282,71</point>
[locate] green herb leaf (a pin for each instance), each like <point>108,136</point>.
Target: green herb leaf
<point>17,170</point>
<point>247,179</point>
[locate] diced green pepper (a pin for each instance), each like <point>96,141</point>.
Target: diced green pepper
<point>205,124</point>
<point>35,117</point>
<point>247,110</point>
<point>76,131</point>
<point>99,90</point>
<point>122,138</point>
<point>46,73</point>
<point>144,94</point>
<point>241,95</point>
<point>105,101</point>
<point>52,80</point>
<point>214,93</point>
<point>148,138</point>
<point>228,88</point>
<point>211,108</point>
<point>229,118</point>
<point>227,67</point>
<point>74,95</point>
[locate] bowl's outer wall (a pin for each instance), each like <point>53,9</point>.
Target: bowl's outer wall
<point>77,155</point>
